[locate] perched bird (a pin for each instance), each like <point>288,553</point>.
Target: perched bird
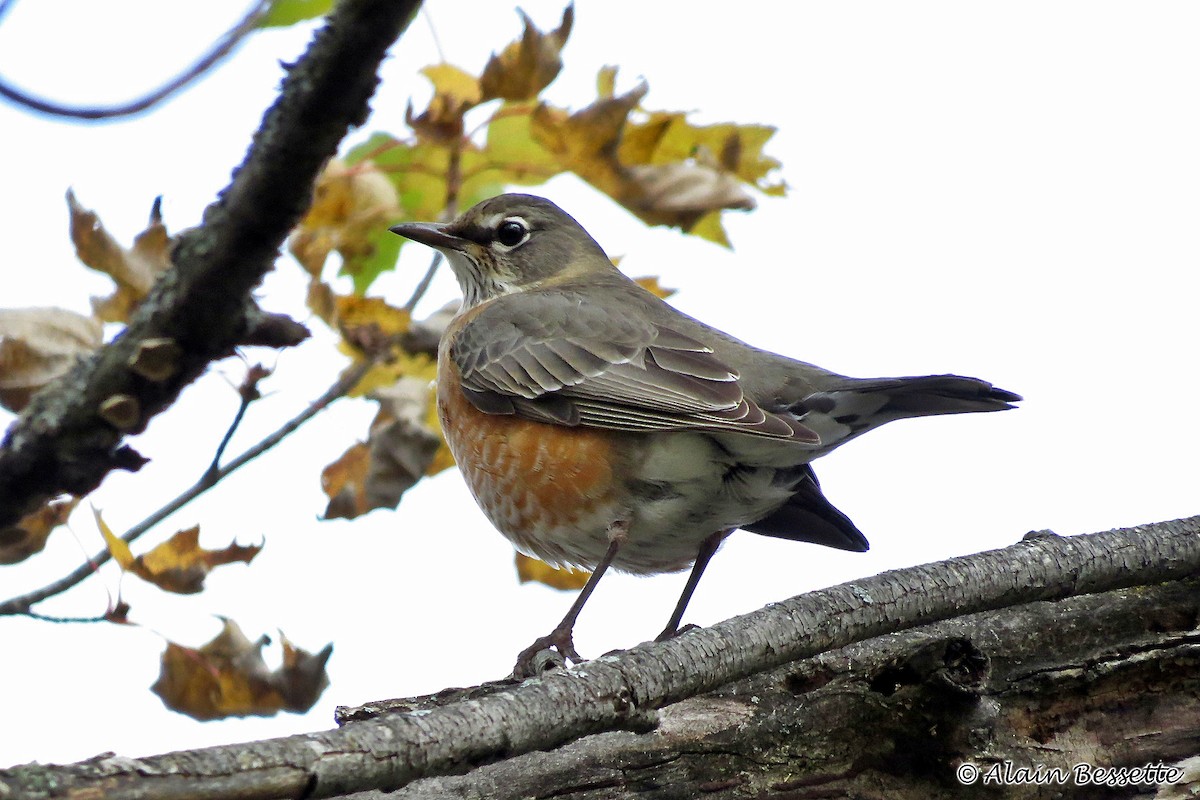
<point>599,427</point>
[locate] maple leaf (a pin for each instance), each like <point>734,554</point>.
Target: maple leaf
<point>455,92</point>
<point>227,677</point>
<point>133,269</point>
<point>29,535</point>
<point>38,345</point>
<point>528,65</point>
<point>662,168</point>
<point>179,564</point>
<point>352,206</point>
<point>532,569</point>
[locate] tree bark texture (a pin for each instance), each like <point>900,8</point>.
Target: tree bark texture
<point>1052,652</point>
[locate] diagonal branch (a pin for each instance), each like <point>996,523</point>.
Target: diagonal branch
<point>203,304</point>
<point>223,47</point>
<point>388,750</point>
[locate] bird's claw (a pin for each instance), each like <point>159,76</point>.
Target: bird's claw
<point>539,658</point>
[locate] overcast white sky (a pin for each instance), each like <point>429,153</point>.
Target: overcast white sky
<point>1000,190</point>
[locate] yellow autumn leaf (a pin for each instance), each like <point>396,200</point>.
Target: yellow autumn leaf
<point>179,564</point>
<point>354,312</point>
<point>532,569</point>
<point>28,536</point>
<point>133,269</point>
<point>455,91</point>
<point>658,165</point>
<point>528,65</point>
<point>650,283</point>
<point>606,82</point>
<point>117,547</point>
<point>351,209</point>
<point>709,227</point>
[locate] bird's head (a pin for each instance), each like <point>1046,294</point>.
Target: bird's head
<point>508,244</point>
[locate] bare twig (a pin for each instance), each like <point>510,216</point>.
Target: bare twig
<point>453,188</point>
<point>65,620</point>
<point>348,380</point>
<point>223,47</point>
<point>248,392</point>
<point>423,285</point>
<point>433,34</point>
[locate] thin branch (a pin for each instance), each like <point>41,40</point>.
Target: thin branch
<point>433,34</point>
<point>454,179</point>
<point>248,392</point>
<point>220,49</point>
<point>214,469</point>
<point>423,285</point>
<point>22,604</point>
<point>64,620</point>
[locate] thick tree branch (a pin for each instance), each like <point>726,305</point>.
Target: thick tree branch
<point>60,444</point>
<point>896,716</point>
<point>388,751</point>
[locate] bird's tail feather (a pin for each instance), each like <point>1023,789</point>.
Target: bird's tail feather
<point>808,517</point>
<point>936,394</point>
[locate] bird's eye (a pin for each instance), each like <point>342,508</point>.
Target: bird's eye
<point>511,232</point>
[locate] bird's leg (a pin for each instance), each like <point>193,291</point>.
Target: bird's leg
<point>707,548</point>
<point>562,637</point>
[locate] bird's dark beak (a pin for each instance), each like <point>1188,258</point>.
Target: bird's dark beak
<point>432,234</point>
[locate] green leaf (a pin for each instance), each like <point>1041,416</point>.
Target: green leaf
<point>283,13</point>
<point>418,171</point>
<point>379,257</point>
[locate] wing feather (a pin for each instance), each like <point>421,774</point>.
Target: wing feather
<point>558,359</point>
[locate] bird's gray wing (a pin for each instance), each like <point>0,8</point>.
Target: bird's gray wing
<point>554,357</point>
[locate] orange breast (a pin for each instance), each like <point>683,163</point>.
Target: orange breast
<point>539,484</point>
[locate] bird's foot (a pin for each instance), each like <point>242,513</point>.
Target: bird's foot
<point>672,632</point>
<point>539,658</point>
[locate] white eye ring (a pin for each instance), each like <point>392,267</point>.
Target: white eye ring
<point>511,232</point>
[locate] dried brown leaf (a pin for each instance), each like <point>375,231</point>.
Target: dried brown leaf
<point>29,536</point>
<point>133,269</point>
<point>528,65</point>
<point>455,92</point>
<point>39,344</point>
<point>403,445</point>
<point>228,678</point>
